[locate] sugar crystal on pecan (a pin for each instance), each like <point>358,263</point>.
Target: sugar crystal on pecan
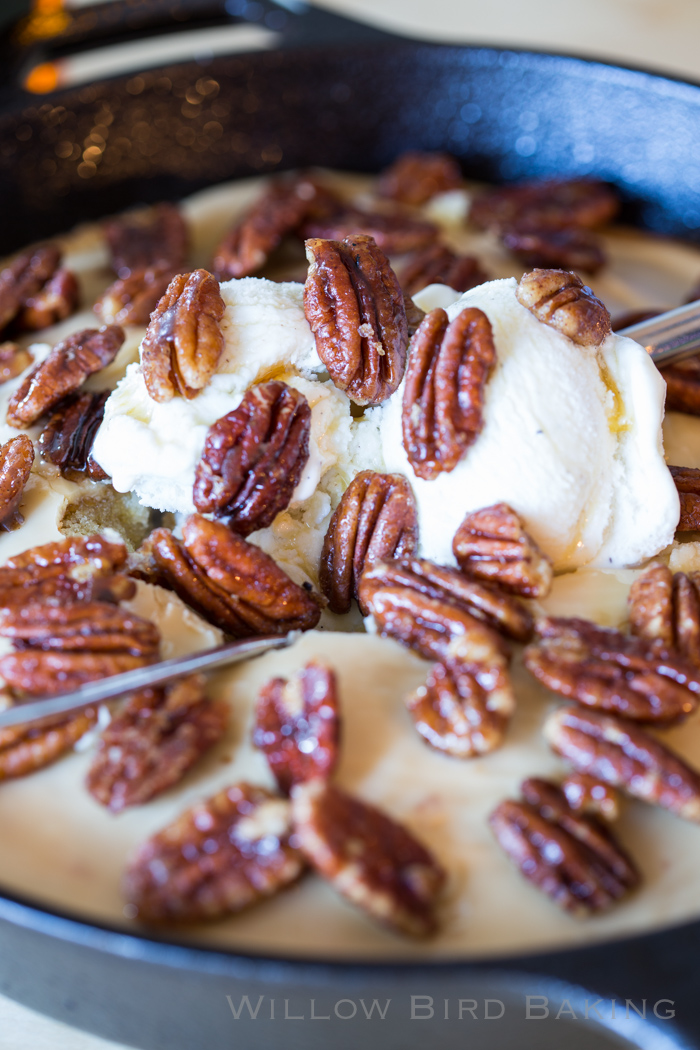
<point>151,743</point>
<point>356,310</point>
<point>448,367</point>
<point>561,300</point>
<point>184,341</point>
<point>636,678</point>
<point>369,858</point>
<point>61,373</point>
<point>231,582</point>
<point>220,856</point>
<point>297,725</point>
<point>492,544</point>
<point>253,458</point>
<point>375,519</point>
<point>622,754</point>
<point>570,856</point>
<point>416,176</point>
<point>154,237</point>
<point>465,706</point>
<point>16,459</point>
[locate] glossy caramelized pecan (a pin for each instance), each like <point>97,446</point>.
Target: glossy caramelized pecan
<point>636,678</point>
<point>570,248</point>
<point>590,795</point>
<point>64,370</point>
<point>23,278</point>
<point>132,299</point>
<point>280,211</point>
<point>356,310</point>
<point>416,176</point>
<point>432,608</point>
<point>232,583</point>
<point>437,264</point>
<point>55,301</point>
<point>184,341</point>
<point>571,857</point>
<point>553,204</point>
<point>465,706</point>
<point>154,237</point>
<point>376,519</point>
<point>394,232</point>
<point>16,459</point>
<point>26,748</point>
<point>220,856</point>
<point>253,458</point>
<point>687,482</point>
<point>152,742</point>
<point>562,301</point>
<point>369,858</point>
<point>14,359</point>
<point>297,726</point>
<point>492,544</point>
<point>667,606</point>
<point>619,753</point>
<point>682,384</point>
<point>68,437</point>
<point>61,647</point>
<point>448,368</point>
<point>77,569</point>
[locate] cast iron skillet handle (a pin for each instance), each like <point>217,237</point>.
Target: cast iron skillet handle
<point>34,40</point>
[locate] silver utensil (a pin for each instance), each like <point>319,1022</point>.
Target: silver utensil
<point>144,678</point>
<point>670,336</point>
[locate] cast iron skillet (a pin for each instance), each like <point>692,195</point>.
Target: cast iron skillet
<point>338,94</point>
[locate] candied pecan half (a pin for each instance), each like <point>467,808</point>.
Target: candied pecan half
<point>587,794</point>
<point>16,459</point>
<point>69,434</point>
<point>152,742</point>
<point>356,310</point>
<point>492,544</point>
<point>156,237</point>
<point>220,856</point>
<point>622,754</point>
<point>375,519</point>
<point>184,341</point>
<point>41,673</point>
<point>231,582</point>
<point>23,278</point>
<point>464,708</point>
<point>448,367</point>
<point>80,556</point>
<point>280,210</point>
<point>687,482</point>
<point>652,604</point>
<point>79,568</point>
<point>13,360</point>
<point>415,177</point>
<point>131,300</point>
<point>561,300</point>
<point>394,232</point>
<point>571,857</point>
<point>253,458</point>
<point>553,203</point>
<point>569,248</point>
<point>27,748</point>
<point>430,607</point>
<point>54,301</point>
<point>369,858</point>
<point>682,385</point>
<point>437,264</point>
<point>64,370</point>
<point>598,666</point>
<point>297,725</point>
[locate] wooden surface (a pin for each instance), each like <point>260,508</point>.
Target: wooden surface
<point>660,34</point>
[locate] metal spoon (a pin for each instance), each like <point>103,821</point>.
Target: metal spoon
<point>670,336</point>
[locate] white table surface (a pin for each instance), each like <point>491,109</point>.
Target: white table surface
<point>660,34</point>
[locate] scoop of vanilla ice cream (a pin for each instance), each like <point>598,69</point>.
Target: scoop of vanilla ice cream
<point>571,440</point>
<point>152,449</point>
